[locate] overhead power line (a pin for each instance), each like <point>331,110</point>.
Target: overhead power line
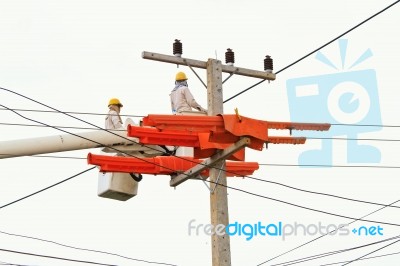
<point>302,206</point>
<point>321,236</point>
<point>31,125</point>
<point>85,249</point>
<point>394,242</point>
<point>299,206</point>
<point>262,180</point>
<point>13,264</point>
<point>366,258</point>
<point>329,166</point>
<point>220,169</point>
<point>331,253</point>
<point>260,164</point>
<point>56,112</point>
<point>59,111</point>
<point>319,48</point>
<point>41,190</point>
<point>209,181</point>
<point>132,115</point>
<point>319,193</point>
<point>54,257</point>
<point>95,128</point>
<point>164,166</point>
<point>101,144</point>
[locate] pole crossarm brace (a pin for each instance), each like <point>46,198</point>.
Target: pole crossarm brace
<point>219,156</point>
<point>203,64</point>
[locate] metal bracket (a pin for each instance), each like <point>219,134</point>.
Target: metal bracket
<point>219,156</point>
<point>191,68</point>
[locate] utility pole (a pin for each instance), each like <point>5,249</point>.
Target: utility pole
<point>221,253</point>
<point>221,250</point>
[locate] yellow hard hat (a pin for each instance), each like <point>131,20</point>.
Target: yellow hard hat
<point>115,101</point>
<point>180,76</point>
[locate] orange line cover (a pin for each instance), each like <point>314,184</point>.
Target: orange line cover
<point>163,165</point>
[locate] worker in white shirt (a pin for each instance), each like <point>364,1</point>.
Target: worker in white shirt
<point>113,119</point>
<point>182,99</point>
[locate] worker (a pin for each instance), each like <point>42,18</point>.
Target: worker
<point>113,119</point>
<point>182,99</point>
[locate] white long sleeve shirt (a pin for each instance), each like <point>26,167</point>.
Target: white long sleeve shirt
<point>182,100</point>
<point>113,120</point>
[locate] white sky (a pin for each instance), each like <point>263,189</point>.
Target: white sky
<point>75,55</point>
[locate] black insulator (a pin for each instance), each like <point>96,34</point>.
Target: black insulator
<point>229,56</point>
<point>177,47</point>
<point>268,64</point>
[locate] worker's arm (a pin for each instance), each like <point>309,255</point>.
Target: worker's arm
<point>115,120</point>
<point>192,102</point>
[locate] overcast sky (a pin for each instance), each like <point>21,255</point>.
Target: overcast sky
<point>76,55</point>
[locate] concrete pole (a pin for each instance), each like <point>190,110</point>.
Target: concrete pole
<point>221,251</point>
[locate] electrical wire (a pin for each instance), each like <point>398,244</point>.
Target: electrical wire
<point>54,109</point>
<point>58,157</point>
<point>363,125</point>
<point>321,236</point>
<point>319,48</point>
<point>164,166</point>
<point>62,182</point>
<point>31,125</point>
<point>311,209</point>
<point>12,264</point>
<point>65,179</point>
<point>227,187</point>
<point>260,164</point>
<point>256,179</point>
<point>117,149</point>
<point>331,253</point>
<point>318,193</point>
<point>103,114</point>
<point>57,112</point>
<point>338,138</point>
<point>130,140</point>
<point>41,190</point>
<point>95,128</point>
<point>76,135</point>
<point>329,166</point>
<point>318,138</point>
<point>85,249</point>
<point>54,257</point>
<point>209,181</point>
<point>296,205</point>
<point>117,254</point>
<point>394,242</point>
<point>280,184</point>
<point>366,258</point>
<point>327,254</point>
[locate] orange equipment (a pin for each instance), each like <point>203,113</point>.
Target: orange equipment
<point>208,133</point>
<point>163,165</point>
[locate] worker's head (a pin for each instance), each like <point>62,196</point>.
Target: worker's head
<point>114,102</point>
<point>180,76</point>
